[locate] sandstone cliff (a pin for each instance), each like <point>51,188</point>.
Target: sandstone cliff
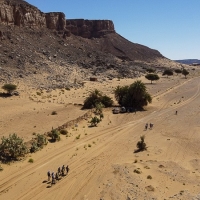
<point>90,28</point>
<point>22,14</point>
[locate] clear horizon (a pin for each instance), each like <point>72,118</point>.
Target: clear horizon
<point>171,27</point>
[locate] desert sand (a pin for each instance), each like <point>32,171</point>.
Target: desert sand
<point>102,161</point>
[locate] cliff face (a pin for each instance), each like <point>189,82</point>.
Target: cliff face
<point>22,14</point>
<point>90,28</point>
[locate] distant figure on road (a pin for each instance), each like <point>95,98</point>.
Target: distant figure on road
<point>150,125</point>
<point>176,112</point>
<point>49,175</point>
<point>146,126</point>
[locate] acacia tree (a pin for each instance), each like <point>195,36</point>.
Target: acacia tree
<point>12,147</point>
<point>185,72</point>
<point>178,71</point>
<point>168,72</point>
<point>152,77</point>
<point>135,95</point>
<point>9,88</point>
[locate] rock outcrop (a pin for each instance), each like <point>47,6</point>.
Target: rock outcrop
<point>22,14</point>
<point>90,28</point>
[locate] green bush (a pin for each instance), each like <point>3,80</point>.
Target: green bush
<point>55,135</point>
<point>94,121</point>
<point>149,177</point>
<point>141,145</point>
<point>64,132</point>
<point>38,143</point>
<point>12,147</point>
<point>9,88</point>
<point>31,160</point>
<point>152,77</point>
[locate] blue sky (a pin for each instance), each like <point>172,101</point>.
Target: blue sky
<point>170,26</point>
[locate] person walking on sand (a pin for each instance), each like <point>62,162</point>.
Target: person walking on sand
<point>146,126</point>
<point>67,169</point>
<point>151,126</point>
<point>176,112</point>
<point>49,175</point>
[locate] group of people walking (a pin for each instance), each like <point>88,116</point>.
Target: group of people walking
<point>62,171</point>
<point>150,126</point>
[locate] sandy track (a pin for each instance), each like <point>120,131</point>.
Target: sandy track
<point>92,169</point>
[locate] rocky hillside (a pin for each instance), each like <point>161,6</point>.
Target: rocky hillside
<point>48,50</point>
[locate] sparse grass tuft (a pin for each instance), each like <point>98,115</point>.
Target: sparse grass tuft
<point>137,171</point>
<point>54,113</point>
<point>31,160</point>
<point>64,132</point>
<point>149,177</point>
<point>78,137</point>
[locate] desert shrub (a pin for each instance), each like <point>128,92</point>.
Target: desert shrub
<point>106,101</point>
<point>9,88</point>
<point>34,147</point>
<point>149,177</point>
<point>94,121</point>
<point>185,72</point>
<point>152,77</point>
<point>98,108</point>
<point>38,143</point>
<point>150,70</point>
<point>67,88</point>
<point>101,116</point>
<point>141,145</point>
<point>54,113</point>
<point>178,71</point>
<point>64,132</point>
<point>31,160</point>
<point>89,145</point>
<point>137,171</point>
<point>78,137</point>
<point>168,72</point>
<point>12,147</point>
<point>55,135</point>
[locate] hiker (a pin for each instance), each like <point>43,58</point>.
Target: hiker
<point>63,170</point>
<point>53,178</point>
<point>146,126</point>
<point>59,171</point>
<point>57,178</point>
<point>135,110</point>
<point>49,175</point>
<point>67,169</point>
<point>151,126</point>
<point>176,112</point>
